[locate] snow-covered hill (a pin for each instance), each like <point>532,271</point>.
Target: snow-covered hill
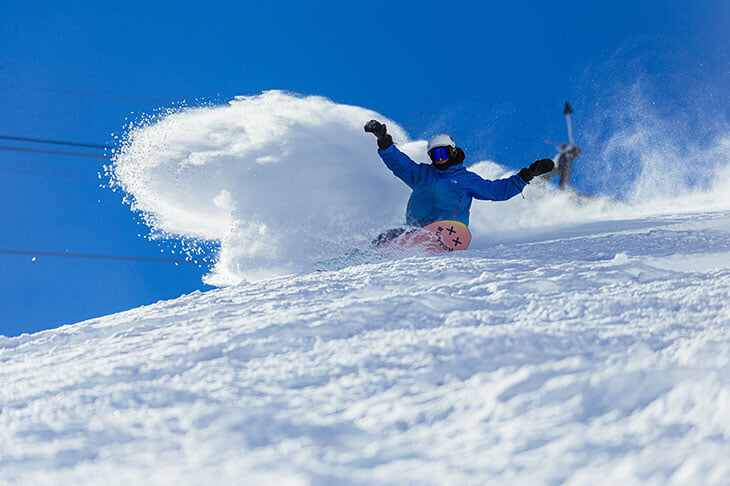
<point>593,354</point>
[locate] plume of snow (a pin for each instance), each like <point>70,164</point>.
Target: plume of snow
<point>279,180</point>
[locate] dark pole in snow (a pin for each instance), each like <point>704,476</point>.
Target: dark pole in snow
<point>568,152</point>
<point>567,112</point>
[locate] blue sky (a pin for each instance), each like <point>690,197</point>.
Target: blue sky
<point>475,69</point>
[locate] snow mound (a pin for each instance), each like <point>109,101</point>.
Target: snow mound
<point>587,357</point>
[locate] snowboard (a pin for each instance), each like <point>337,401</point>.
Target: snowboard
<point>437,237</point>
<point>432,239</point>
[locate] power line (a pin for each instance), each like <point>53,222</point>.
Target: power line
<point>103,257</point>
<point>82,93</point>
<point>55,152</point>
<point>55,142</point>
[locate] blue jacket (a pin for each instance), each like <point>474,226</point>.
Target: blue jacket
<point>445,194</point>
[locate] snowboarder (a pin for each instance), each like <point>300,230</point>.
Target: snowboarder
<point>444,190</point>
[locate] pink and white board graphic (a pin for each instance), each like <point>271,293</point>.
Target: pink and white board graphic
<point>437,237</point>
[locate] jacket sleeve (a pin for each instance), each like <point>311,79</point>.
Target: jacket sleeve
<point>498,190</point>
<point>402,166</point>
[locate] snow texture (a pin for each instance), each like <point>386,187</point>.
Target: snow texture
<point>599,354</point>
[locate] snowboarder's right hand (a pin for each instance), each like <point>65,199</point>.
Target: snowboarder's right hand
<point>539,167</point>
<point>378,129</point>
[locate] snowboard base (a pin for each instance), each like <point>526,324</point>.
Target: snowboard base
<point>437,237</point>
<point>432,239</point>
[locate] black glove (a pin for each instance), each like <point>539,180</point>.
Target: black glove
<point>539,167</point>
<point>378,129</point>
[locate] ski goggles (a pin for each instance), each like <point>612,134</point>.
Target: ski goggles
<point>439,153</point>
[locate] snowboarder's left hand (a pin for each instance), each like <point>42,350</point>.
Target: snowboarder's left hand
<point>539,167</point>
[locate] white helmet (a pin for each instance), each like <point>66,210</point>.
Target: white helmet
<point>441,140</point>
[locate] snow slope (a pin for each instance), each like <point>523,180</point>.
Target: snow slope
<point>593,353</point>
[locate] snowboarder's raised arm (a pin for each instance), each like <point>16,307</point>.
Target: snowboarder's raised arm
<point>402,166</point>
<point>497,190</point>
<point>399,163</point>
<point>503,189</point>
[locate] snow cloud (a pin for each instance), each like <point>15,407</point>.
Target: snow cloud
<point>279,180</point>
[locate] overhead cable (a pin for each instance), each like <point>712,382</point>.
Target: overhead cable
<point>55,152</point>
<point>55,142</point>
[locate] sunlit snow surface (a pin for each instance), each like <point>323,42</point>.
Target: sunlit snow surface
<point>598,354</point>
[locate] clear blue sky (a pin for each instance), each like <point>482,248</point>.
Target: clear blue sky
<point>499,68</point>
